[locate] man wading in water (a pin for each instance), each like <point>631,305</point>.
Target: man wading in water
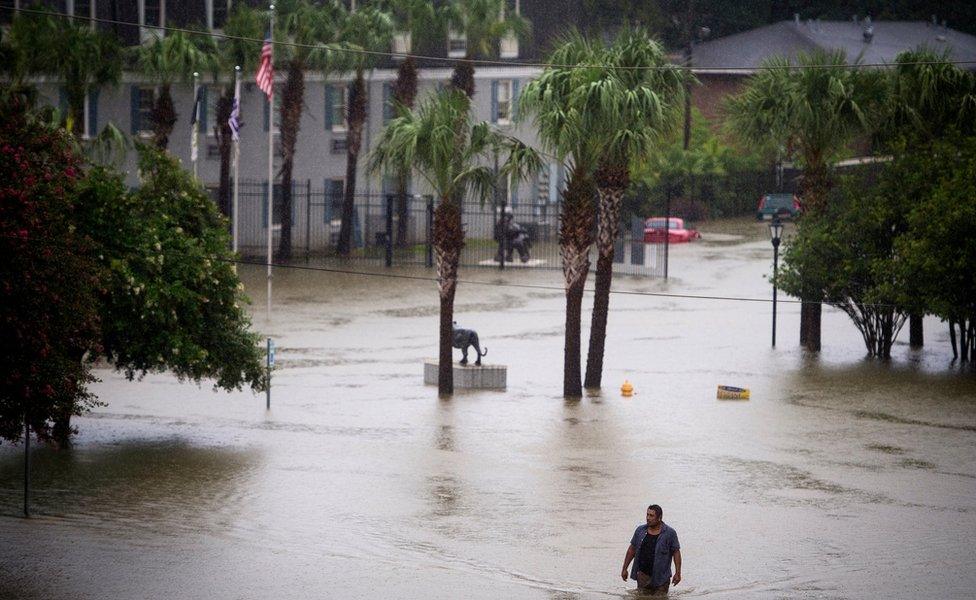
<point>653,546</point>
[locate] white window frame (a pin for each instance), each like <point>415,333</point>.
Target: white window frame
<point>144,133</point>
<point>340,126</point>
<point>506,117</point>
<point>146,34</point>
<point>461,39</point>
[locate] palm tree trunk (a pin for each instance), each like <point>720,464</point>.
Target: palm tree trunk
<point>292,98</point>
<point>816,182</point>
<point>448,238</point>
<point>463,77</point>
<point>163,117</point>
<point>225,143</point>
<point>611,182</point>
<point>354,139</point>
<point>405,94</point>
<point>575,227</point>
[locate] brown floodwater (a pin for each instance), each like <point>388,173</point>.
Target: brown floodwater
<point>842,477</point>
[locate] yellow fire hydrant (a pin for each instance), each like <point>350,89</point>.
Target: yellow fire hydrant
<point>626,389</point>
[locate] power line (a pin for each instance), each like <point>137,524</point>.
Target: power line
<point>499,284</point>
<point>488,62</point>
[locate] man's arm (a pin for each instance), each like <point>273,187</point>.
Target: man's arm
<point>677,567</point>
<point>625,573</point>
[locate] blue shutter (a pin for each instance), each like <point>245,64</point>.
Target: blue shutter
<point>267,113</point>
<point>134,109</point>
<point>264,204</point>
<point>515,97</point>
<point>494,100</point>
<point>93,113</point>
<point>329,90</point>
<point>202,121</point>
<point>387,102</point>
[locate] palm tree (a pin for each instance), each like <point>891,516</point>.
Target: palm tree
<point>366,29</point>
<point>310,32</point>
<point>815,107</point>
<point>549,101</point>
<point>483,23</point>
<point>927,97</point>
<point>76,55</point>
<point>451,164</point>
<point>412,18</point>
<point>629,100</point>
<point>233,50</point>
<point>166,60</point>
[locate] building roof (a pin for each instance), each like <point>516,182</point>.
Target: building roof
<point>750,48</point>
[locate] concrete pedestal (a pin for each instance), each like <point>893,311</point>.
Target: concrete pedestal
<point>470,377</point>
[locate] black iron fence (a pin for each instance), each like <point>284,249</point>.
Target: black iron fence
<point>392,231</point>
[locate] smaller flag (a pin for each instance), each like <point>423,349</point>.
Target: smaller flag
<point>234,120</point>
<point>197,107</point>
<point>265,74</point>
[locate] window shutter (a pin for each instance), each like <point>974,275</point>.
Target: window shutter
<point>202,121</point>
<point>267,113</point>
<point>93,113</point>
<point>329,90</point>
<point>387,102</point>
<point>515,97</point>
<point>134,109</point>
<point>494,100</point>
<point>513,192</point>
<point>264,204</point>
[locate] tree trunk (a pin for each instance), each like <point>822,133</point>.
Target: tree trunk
<point>815,187</point>
<point>163,117</point>
<point>915,336</point>
<point>448,239</point>
<point>404,94</point>
<point>575,230</point>
<point>75,117</point>
<point>952,339</point>
<point>225,143</point>
<point>354,139</point>
<point>292,100</point>
<point>611,184</point>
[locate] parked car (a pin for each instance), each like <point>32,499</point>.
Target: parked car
<point>677,232</point>
<point>785,206</point>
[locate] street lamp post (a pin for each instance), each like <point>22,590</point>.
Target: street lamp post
<point>775,235</point>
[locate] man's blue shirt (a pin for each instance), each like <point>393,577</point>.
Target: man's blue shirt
<point>667,543</point>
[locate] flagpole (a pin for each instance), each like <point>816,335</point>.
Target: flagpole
<point>270,203</point>
<point>237,151</point>
<point>196,122</point>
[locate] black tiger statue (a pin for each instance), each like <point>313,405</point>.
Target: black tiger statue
<point>462,338</point>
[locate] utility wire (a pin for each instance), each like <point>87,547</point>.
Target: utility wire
<point>485,62</point>
<point>500,284</point>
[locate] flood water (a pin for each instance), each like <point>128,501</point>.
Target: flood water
<point>842,477</point>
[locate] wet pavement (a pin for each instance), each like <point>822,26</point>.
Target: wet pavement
<point>842,478</point>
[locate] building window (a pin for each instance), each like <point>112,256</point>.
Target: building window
<point>219,10</point>
<point>213,151</point>
<point>508,47</point>
<point>337,95</point>
<point>152,14</point>
<point>7,8</point>
<point>80,8</point>
<point>339,146</point>
<point>147,98</point>
<point>457,44</point>
<point>504,102</point>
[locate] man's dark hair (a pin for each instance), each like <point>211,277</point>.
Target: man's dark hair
<point>657,510</point>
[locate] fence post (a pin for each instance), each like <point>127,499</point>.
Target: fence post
<point>430,231</point>
<point>308,218</point>
<point>389,230</point>
<point>503,230</point>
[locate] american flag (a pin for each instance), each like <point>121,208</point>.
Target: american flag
<point>265,75</point>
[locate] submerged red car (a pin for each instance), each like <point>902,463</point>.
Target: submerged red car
<point>677,232</point>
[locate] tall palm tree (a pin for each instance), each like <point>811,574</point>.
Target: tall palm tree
<point>451,164</point>
<point>368,29</point>
<point>630,99</point>
<point>165,61</point>
<point>927,97</point>
<point>484,23</point>
<point>548,101</point>
<point>414,19</point>
<point>816,107</point>
<point>233,50</point>
<point>310,32</point>
<point>79,57</point>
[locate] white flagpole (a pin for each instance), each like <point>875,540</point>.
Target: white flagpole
<point>196,123</point>
<point>237,151</point>
<point>270,203</point>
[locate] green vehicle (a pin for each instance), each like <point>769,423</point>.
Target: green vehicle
<point>784,206</point>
